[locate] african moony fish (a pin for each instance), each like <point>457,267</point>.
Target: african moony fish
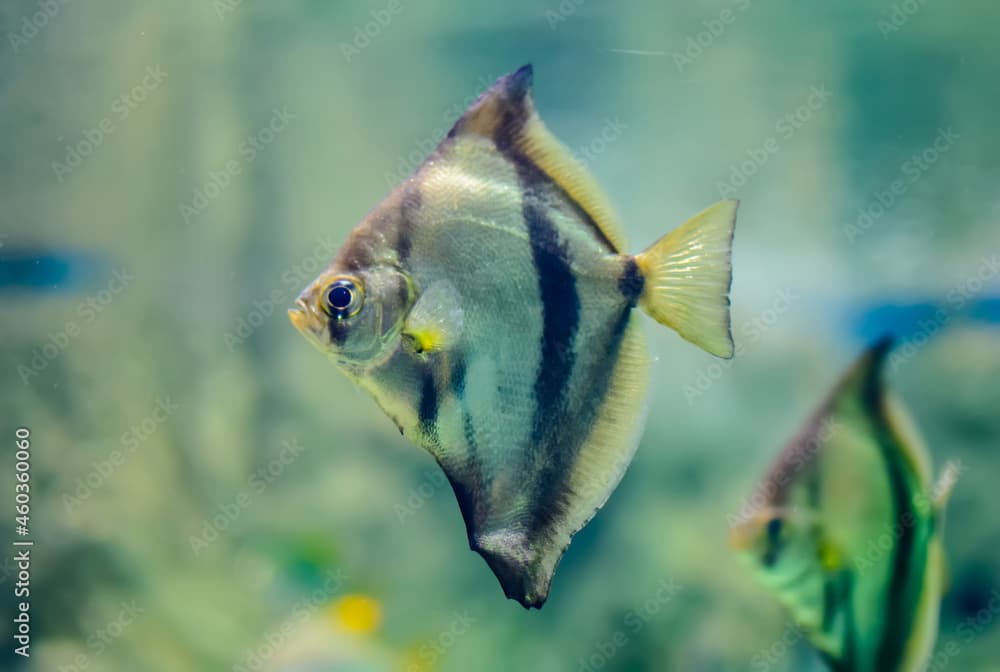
<point>487,305</point>
<point>848,535</point>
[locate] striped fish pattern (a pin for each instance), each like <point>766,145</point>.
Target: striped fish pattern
<point>487,306</point>
<point>850,537</point>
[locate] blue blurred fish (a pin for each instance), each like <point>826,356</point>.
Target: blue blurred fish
<point>907,320</point>
<point>38,269</point>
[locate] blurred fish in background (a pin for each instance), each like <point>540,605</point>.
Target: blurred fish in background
<point>848,530</point>
<point>26,270</point>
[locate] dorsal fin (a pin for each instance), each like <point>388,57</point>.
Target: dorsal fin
<point>505,113</point>
<point>864,382</point>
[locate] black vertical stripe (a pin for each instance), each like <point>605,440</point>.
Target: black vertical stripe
<point>338,330</point>
<point>560,318</point>
<point>507,139</point>
<point>556,282</point>
<point>832,605</point>
<point>850,649</point>
<point>427,411</point>
<point>471,486</point>
<point>631,281</point>
<point>551,459</point>
<point>567,438</point>
<point>556,442</point>
<point>458,373</point>
<point>899,608</point>
<point>906,577</point>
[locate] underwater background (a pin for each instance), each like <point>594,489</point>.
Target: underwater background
<point>208,494</point>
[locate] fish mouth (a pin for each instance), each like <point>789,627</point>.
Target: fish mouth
<point>299,315</point>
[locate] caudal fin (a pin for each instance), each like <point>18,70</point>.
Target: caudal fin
<point>687,277</point>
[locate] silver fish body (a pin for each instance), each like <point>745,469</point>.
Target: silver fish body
<point>487,306</point>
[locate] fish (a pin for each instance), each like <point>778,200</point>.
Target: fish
<point>921,318</point>
<point>45,270</point>
<point>846,528</point>
<point>487,306</point>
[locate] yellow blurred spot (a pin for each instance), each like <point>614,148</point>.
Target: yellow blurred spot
<point>829,557</point>
<point>359,614</point>
<point>413,662</point>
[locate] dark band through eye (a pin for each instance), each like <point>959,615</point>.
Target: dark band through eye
<point>340,297</point>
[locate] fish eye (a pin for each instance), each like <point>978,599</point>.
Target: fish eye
<point>774,527</point>
<point>343,298</point>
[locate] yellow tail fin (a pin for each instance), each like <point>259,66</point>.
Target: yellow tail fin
<point>688,273</point>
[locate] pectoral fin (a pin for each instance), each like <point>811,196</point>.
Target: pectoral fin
<point>436,321</point>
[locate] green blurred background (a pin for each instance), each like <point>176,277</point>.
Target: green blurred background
<point>210,494</point>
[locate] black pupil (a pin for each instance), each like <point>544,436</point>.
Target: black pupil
<point>340,297</point>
